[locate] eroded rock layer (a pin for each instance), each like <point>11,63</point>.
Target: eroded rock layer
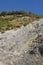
<point>22,47</point>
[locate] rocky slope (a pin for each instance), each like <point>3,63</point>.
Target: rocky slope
<point>23,46</point>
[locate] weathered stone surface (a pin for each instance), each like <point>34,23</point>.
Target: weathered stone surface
<point>15,45</point>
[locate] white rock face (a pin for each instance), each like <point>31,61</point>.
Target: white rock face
<point>2,63</point>
<point>13,43</point>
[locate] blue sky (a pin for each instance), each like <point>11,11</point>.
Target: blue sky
<point>35,6</point>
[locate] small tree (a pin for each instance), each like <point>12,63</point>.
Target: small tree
<point>3,13</point>
<point>22,12</point>
<point>11,13</point>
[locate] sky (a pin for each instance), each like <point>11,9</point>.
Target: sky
<point>35,6</point>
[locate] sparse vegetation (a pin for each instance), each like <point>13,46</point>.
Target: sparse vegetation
<point>5,17</point>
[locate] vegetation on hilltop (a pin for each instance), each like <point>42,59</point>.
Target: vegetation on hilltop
<point>22,12</point>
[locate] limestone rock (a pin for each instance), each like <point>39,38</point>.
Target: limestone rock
<point>15,45</point>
